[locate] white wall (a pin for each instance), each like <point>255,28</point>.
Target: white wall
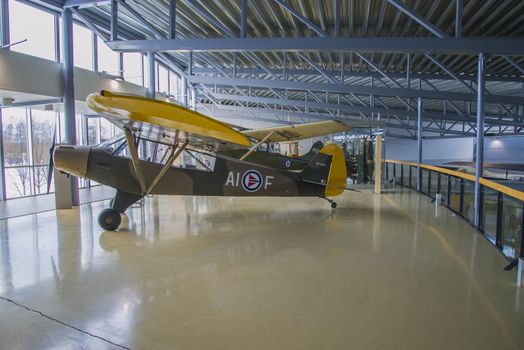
<point>434,151</point>
<point>508,149</point>
<point>21,73</point>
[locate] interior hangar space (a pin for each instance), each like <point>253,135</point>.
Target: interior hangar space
<point>248,174</point>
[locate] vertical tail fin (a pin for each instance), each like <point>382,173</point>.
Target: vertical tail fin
<point>328,167</point>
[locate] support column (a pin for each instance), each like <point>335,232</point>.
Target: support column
<point>4,40</point>
<point>193,98</point>
<point>378,165</point>
<point>57,37</point>
<point>2,162</point>
<point>419,143</point>
<point>4,23</point>
<point>152,81</point>
<point>183,89</point>
<point>64,198</point>
<point>479,166</point>
<point>458,18</point>
<point>95,52</point>
<point>172,19</point>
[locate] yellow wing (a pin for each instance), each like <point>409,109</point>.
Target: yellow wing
<point>306,131</point>
<point>163,121</point>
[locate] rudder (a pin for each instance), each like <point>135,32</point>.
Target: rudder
<point>329,168</point>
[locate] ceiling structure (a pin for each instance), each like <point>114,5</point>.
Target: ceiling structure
<point>306,60</point>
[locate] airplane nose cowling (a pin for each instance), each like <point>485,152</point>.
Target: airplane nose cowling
<point>72,159</point>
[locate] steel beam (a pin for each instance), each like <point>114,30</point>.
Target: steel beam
<point>114,20</point>
<point>417,18</point>
<point>151,88</point>
<point>57,37</point>
<point>84,3</point>
<point>69,91</point>
<point>4,23</point>
<point>350,73</point>
<point>172,19</point>
<point>479,166</point>
<point>285,5</point>
<point>364,108</point>
<point>243,18</point>
<point>419,144</point>
<point>422,45</point>
<point>2,162</point>
<point>356,89</point>
<point>458,18</point>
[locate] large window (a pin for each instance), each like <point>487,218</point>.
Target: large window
<point>36,26</point>
<point>107,59</point>
<point>133,68</point>
<point>27,136</point>
<point>83,47</point>
<point>163,80</point>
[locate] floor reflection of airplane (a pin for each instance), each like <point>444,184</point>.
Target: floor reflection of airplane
<point>469,167</point>
<point>159,136</point>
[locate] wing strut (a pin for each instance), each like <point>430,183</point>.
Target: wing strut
<point>252,149</point>
<point>174,155</point>
<point>132,145</point>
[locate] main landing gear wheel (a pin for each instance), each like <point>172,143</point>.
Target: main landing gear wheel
<point>109,219</point>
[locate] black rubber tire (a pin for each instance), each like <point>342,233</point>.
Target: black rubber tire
<point>333,205</point>
<point>109,219</point>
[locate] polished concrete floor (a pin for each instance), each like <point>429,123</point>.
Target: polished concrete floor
<point>379,272</point>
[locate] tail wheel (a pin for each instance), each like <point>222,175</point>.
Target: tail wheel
<point>109,219</point>
<point>333,205</point>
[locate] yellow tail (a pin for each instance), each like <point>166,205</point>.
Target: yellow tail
<point>337,173</point>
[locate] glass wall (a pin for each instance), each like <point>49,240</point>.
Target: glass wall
<point>511,228</point>
<point>434,184</point>
<point>27,136</point>
<point>489,213</point>
<point>38,27</point>
<point>83,47</point>
<point>468,210</point>
<point>107,59</point>
<point>454,195</point>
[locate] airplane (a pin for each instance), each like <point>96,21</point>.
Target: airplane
<point>150,158</point>
<point>294,133</point>
<point>469,168</point>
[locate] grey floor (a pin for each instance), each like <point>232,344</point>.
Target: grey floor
<point>389,271</point>
<point>12,208</point>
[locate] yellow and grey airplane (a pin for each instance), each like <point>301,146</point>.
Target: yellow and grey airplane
<point>159,135</point>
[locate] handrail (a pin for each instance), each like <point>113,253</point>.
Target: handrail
<point>488,183</point>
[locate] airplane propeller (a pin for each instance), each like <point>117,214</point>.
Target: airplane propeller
<point>51,164</point>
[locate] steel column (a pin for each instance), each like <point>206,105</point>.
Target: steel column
<point>2,162</point>
<point>243,18</point>
<point>480,137</point>
<point>57,37</point>
<point>458,19</point>
<point>172,19</point>
<point>114,20</point>
<point>193,98</point>
<point>419,144</point>
<point>183,89</point>
<point>4,23</point>
<point>69,92</point>
<point>152,81</point>
<point>95,52</point>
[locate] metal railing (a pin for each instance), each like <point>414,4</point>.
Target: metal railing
<point>501,210</point>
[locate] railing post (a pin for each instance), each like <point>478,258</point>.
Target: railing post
<point>498,233</point>
<point>461,206</point>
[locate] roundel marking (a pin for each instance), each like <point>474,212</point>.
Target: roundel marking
<point>251,181</point>
<point>288,163</point>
